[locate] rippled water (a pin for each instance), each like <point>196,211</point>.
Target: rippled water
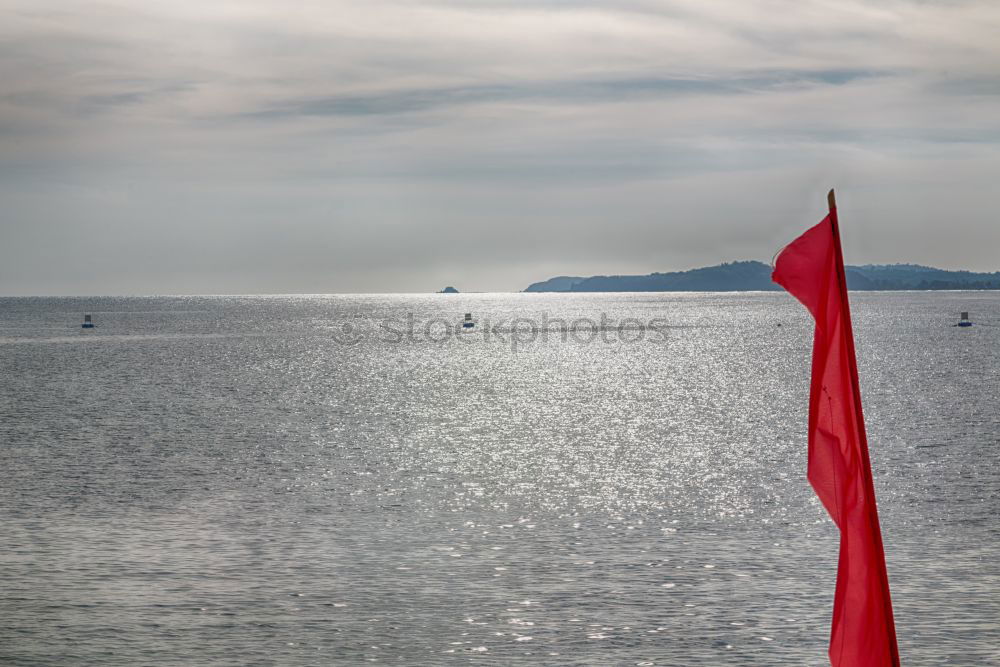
<point>301,481</point>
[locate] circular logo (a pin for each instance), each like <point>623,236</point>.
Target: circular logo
<point>346,333</point>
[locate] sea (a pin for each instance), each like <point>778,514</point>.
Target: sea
<point>576,479</point>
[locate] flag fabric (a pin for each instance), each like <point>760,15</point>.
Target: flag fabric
<point>811,268</point>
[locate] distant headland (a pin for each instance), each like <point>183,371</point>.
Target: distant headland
<point>448,290</point>
<point>750,276</point>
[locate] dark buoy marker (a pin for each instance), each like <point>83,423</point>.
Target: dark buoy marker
<point>87,322</point>
<point>964,322</point>
<point>468,323</point>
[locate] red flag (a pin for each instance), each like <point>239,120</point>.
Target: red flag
<point>811,268</point>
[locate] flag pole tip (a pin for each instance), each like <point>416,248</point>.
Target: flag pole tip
<point>831,200</point>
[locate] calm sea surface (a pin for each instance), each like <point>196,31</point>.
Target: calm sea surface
<point>303,481</point>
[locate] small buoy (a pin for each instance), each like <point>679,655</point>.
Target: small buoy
<point>964,322</point>
<point>87,322</point>
<point>468,323</point>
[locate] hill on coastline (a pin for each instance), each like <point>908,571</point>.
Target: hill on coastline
<point>756,276</point>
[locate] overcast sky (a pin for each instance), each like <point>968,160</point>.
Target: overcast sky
<point>270,146</point>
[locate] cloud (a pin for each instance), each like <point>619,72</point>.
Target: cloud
<point>342,146</point>
<point>574,92</point>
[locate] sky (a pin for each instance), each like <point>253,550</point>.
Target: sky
<point>277,146</point>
